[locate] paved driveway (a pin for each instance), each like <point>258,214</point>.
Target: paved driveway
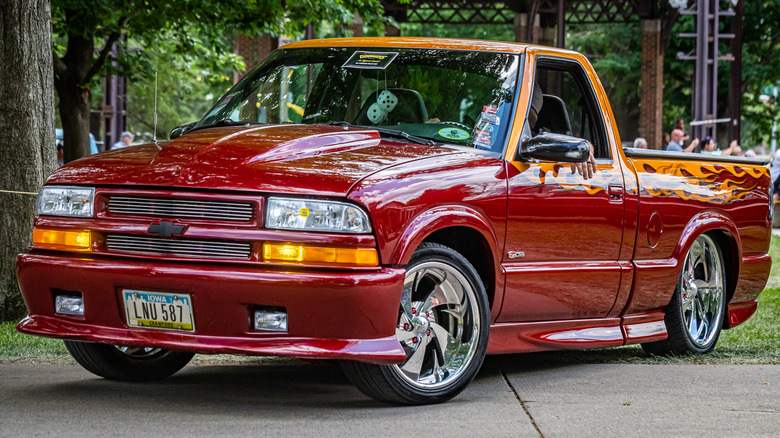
<point>510,398</point>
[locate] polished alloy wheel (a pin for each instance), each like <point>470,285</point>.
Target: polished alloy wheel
<point>437,325</point>
<point>443,327</point>
<point>701,288</point>
<point>695,315</point>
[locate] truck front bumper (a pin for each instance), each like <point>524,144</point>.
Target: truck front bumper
<point>331,314</point>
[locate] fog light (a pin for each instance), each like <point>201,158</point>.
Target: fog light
<point>271,320</point>
<point>69,305</point>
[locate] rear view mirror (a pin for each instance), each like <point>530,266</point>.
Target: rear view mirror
<point>556,147</point>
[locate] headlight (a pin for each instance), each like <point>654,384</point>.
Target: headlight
<point>312,215</point>
<point>66,201</point>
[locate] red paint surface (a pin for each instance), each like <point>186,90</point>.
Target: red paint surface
<point>596,271</point>
<point>739,313</point>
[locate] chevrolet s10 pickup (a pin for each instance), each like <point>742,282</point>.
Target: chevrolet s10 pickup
<point>404,205</point>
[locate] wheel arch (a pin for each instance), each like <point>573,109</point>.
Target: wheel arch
<point>722,229</point>
<point>465,231</point>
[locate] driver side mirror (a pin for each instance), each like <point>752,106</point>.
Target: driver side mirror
<point>181,130</point>
<point>556,147</point>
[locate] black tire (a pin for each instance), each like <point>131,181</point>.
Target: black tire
<point>695,316</point>
<point>443,329</point>
<point>136,364</point>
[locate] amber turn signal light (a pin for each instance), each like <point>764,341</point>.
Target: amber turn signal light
<point>292,253</point>
<point>70,240</point>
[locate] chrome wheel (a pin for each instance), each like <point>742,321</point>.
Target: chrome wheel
<point>701,285</point>
<point>695,315</point>
<point>443,327</point>
<point>436,325</point>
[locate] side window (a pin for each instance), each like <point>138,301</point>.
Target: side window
<point>568,104</point>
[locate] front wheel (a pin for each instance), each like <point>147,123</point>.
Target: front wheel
<point>443,327</point>
<point>695,316</point>
<point>137,364</point>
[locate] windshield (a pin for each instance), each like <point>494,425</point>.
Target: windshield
<point>447,96</point>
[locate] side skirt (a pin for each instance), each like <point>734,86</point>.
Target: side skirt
<point>576,334</point>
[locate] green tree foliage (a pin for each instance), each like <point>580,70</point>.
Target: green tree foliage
<point>495,32</point>
<point>615,52</point>
<point>760,69</point>
<point>92,35</point>
<point>188,84</point>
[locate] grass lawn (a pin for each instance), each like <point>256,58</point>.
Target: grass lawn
<point>755,342</point>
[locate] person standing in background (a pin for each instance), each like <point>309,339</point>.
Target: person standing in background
<point>680,124</point>
<point>675,145</point>
<point>640,143</point>
<point>124,141</point>
<point>774,173</point>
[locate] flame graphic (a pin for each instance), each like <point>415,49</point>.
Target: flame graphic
<point>688,180</point>
<point>554,173</point>
<point>705,182</point>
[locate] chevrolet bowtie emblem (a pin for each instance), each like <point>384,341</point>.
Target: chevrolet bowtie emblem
<point>165,229</point>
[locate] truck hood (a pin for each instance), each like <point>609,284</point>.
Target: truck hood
<point>301,159</point>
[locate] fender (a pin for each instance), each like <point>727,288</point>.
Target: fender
<point>447,216</point>
<point>437,218</point>
<point>701,223</point>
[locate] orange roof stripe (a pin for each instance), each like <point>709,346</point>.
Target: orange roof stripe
<point>419,43</point>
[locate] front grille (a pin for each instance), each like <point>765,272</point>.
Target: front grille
<point>179,247</point>
<point>181,208</point>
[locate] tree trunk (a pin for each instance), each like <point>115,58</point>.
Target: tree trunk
<point>75,104</point>
<point>27,149</point>
<point>72,79</point>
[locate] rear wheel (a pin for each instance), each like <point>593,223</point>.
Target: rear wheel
<point>443,326</point>
<point>138,364</point>
<point>695,316</point>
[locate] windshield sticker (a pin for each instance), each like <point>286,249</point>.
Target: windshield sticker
<point>484,126</point>
<point>490,109</point>
<point>483,140</point>
<point>370,60</point>
<point>453,134</point>
<point>490,118</point>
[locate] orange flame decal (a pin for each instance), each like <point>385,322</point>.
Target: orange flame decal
<point>700,181</point>
<point>553,173</point>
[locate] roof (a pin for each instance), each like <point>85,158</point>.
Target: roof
<point>422,43</point>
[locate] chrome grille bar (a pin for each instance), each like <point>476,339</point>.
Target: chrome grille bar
<point>179,247</point>
<point>181,208</point>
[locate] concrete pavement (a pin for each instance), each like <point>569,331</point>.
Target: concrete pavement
<point>511,397</point>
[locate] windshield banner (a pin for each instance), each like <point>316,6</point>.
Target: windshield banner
<point>370,60</point>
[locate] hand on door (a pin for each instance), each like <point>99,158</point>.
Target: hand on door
<point>587,168</point>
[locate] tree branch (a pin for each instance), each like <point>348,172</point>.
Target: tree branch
<point>112,38</point>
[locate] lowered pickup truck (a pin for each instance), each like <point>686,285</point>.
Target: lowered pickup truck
<point>405,205</point>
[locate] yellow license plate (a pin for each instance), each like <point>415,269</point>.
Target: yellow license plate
<point>158,310</point>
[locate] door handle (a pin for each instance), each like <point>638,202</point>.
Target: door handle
<point>615,193</point>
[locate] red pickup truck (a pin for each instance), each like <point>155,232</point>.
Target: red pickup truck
<point>405,205</point>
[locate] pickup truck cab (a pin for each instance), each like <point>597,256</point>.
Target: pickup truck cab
<point>406,205</point>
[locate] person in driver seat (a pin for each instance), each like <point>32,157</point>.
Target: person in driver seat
<point>588,168</point>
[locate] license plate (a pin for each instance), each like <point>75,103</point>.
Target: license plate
<point>158,310</point>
